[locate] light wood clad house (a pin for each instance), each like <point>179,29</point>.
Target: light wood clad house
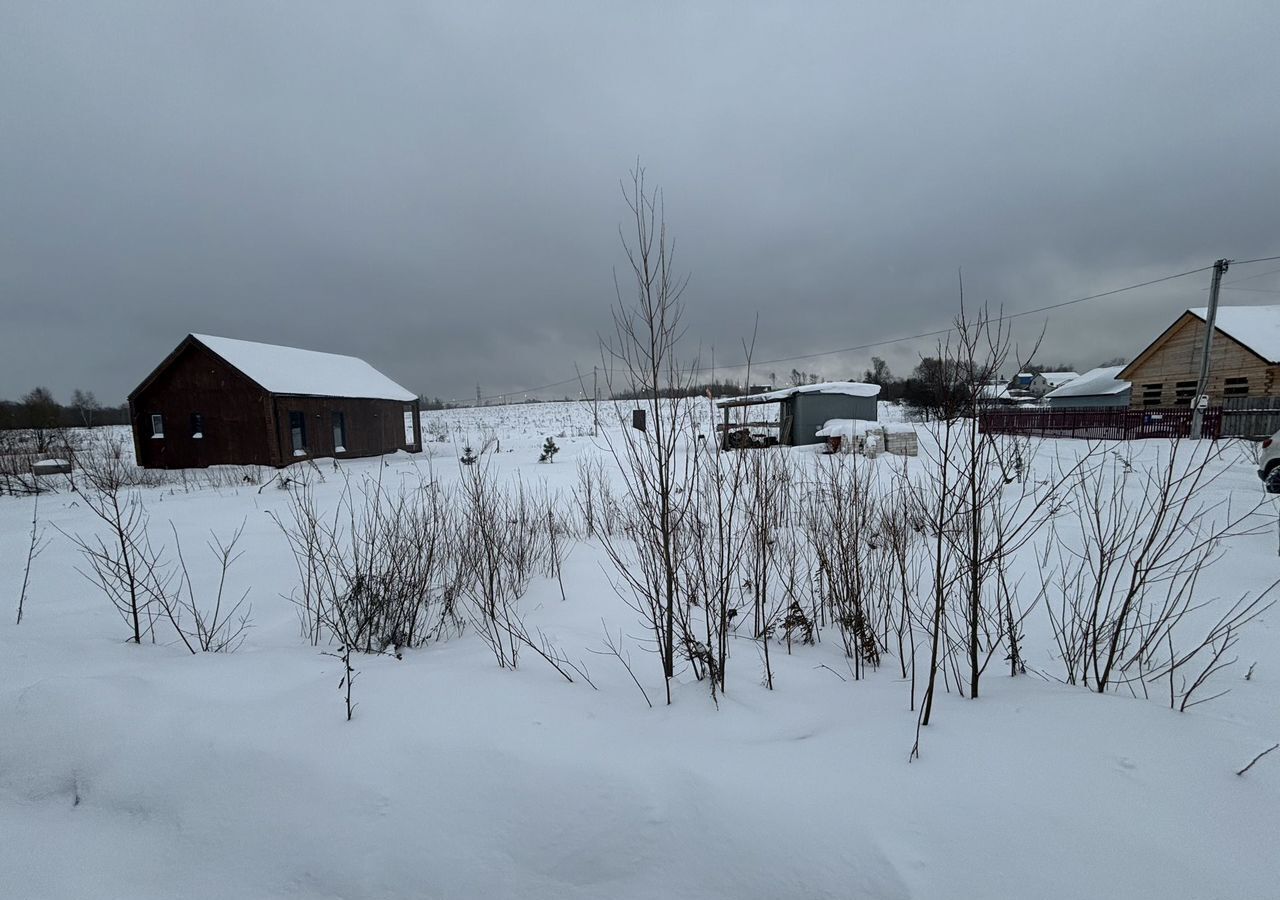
<point>1244,362</point>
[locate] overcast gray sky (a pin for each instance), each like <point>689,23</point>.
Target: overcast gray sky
<point>434,187</point>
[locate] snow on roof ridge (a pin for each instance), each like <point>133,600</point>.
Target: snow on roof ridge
<point>849,388</point>
<point>292,370</point>
<point>1256,327</point>
<point>1097,382</point>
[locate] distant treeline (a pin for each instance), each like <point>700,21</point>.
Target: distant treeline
<point>716,388</point>
<point>436,403</point>
<point>39,410</point>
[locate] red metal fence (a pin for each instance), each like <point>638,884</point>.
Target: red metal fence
<point>1116,424</point>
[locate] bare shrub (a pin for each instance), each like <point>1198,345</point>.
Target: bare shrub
<point>841,508</point>
<point>35,545</point>
<point>216,626</point>
<point>123,565</point>
<point>1126,590</point>
<point>378,573</point>
<point>586,495</point>
<point>18,452</point>
<point>506,536</point>
<point>712,565</point>
<point>899,531</point>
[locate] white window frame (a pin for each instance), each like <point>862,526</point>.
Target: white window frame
<point>157,426</point>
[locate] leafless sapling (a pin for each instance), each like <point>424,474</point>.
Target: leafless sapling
<point>35,545</point>
<point>643,351</point>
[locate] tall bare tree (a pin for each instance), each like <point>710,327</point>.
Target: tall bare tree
<point>641,356</point>
<point>86,406</point>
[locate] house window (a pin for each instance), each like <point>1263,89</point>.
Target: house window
<point>1184,392</point>
<point>339,432</point>
<point>1151,394</point>
<point>197,426</point>
<point>157,425</point>
<point>298,432</point>
<point>1235,387</point>
<point>408,426</point>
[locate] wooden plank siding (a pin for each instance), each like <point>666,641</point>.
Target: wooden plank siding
<point>1166,373</point>
<point>236,414</point>
<point>373,427</point>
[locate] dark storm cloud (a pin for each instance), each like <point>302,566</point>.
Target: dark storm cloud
<point>435,187</point>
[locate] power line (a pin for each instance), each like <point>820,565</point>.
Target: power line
<point>1251,277</point>
<point>1245,262</point>
<point>915,337</point>
<point>529,390</point>
<point>1003,317</point>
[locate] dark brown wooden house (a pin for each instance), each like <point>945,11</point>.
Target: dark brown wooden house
<point>219,401</point>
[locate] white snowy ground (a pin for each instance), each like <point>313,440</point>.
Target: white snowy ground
<point>145,772</point>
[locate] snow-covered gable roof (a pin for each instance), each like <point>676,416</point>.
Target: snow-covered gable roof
<point>1256,327</point>
<point>1057,379</point>
<point>995,391</point>
<point>849,388</point>
<point>1098,382</point>
<point>288,370</point>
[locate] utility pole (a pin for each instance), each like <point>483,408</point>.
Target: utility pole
<point>1202,385</point>
<point>595,401</point>
<point>478,400</point>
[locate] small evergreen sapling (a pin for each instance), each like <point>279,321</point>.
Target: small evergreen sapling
<point>549,450</point>
<point>468,456</point>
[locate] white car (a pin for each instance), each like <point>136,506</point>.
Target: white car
<point>1269,463</point>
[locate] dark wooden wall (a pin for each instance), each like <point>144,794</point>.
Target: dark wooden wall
<point>236,412</point>
<point>374,427</point>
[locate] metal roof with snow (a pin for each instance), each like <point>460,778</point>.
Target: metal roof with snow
<point>848,388</point>
<point>1098,382</point>
<point>289,370</point>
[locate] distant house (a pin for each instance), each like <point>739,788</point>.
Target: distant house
<point>1037,384</point>
<point>1055,380</point>
<point>997,394</point>
<point>1095,388</point>
<point>219,401</point>
<point>1245,359</point>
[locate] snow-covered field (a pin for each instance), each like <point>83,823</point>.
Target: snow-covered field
<point>148,772</point>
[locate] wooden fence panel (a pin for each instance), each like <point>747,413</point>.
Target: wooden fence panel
<point>1107,424</point>
<point>1250,417</point>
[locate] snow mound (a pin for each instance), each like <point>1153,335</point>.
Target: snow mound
<point>851,428</point>
<point>191,784</point>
